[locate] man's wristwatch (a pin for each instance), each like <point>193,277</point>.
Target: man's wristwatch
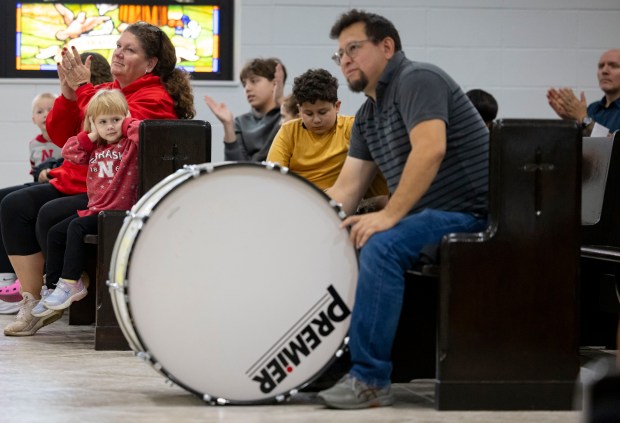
<point>587,121</point>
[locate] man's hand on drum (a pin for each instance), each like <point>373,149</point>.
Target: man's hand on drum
<point>363,226</point>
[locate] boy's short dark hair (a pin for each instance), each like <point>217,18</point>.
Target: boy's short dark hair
<point>485,103</point>
<point>315,84</point>
<point>261,67</point>
<point>377,27</point>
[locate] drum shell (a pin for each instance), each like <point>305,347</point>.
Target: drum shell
<point>235,281</point>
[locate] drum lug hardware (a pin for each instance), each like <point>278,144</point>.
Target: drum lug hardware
<point>221,401</point>
<point>170,383</point>
<point>207,398</point>
<point>276,166</point>
<point>137,216</point>
<point>280,398</point>
<point>143,355</point>
<point>113,285</point>
<point>338,207</point>
<point>193,169</point>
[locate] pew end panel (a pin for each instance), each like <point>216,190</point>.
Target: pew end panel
<point>108,334</point>
<point>508,321</point>
<point>168,145</point>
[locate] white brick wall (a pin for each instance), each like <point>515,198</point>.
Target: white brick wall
<point>515,49</point>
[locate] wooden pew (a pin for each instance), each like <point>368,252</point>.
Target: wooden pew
<point>506,301</point>
<point>600,281</point>
<point>600,250</point>
<point>165,146</point>
<point>508,326</point>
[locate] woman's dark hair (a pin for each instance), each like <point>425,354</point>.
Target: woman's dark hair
<point>99,68</point>
<point>377,27</point>
<point>315,84</point>
<point>156,43</point>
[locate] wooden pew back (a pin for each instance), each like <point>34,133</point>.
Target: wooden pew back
<point>507,328</point>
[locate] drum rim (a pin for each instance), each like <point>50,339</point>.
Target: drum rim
<point>173,180</point>
<point>176,180</point>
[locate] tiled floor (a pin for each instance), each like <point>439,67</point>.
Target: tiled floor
<point>56,376</point>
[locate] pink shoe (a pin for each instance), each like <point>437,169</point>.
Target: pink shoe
<point>11,293</point>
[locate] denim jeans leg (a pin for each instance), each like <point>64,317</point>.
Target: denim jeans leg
<point>378,300</point>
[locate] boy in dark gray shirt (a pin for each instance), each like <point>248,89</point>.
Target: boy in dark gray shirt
<point>248,137</point>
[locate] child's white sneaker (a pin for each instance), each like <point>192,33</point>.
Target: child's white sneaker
<point>40,310</point>
<point>64,294</point>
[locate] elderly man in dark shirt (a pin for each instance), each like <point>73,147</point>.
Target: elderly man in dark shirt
<point>605,112</point>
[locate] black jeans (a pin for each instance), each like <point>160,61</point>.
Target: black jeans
<point>56,211</point>
<point>27,214</point>
<point>5,264</point>
<point>66,252</point>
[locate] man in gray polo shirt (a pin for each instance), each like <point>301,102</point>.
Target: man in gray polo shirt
<point>419,129</point>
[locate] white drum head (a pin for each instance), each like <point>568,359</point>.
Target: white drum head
<point>240,283</point>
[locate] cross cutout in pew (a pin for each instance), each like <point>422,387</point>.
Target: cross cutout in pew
<point>178,160</point>
<point>538,168</point>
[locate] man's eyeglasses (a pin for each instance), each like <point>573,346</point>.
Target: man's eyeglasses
<point>352,49</point>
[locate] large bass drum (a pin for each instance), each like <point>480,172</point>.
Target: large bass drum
<point>235,281</point>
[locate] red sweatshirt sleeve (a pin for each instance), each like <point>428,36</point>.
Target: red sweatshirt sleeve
<point>63,121</point>
<point>77,149</point>
<point>130,129</point>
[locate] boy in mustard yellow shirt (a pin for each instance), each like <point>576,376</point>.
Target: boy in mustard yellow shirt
<point>316,145</point>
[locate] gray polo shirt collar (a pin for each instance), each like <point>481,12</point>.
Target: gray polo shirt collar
<point>388,73</point>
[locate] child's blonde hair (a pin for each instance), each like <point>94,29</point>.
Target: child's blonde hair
<point>42,96</point>
<point>105,102</point>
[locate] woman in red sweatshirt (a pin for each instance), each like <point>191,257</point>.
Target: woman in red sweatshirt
<point>143,66</point>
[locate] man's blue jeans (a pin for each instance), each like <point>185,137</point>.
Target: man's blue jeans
<point>378,300</point>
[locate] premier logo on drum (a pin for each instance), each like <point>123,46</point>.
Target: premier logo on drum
<point>299,341</point>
